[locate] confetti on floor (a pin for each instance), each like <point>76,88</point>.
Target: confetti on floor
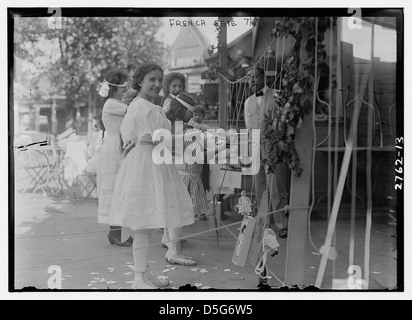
<point>167,270</point>
<point>375,272</point>
<point>269,277</point>
<point>96,279</point>
<point>195,269</point>
<point>68,276</point>
<point>237,273</point>
<point>127,273</point>
<point>129,282</point>
<point>203,271</point>
<point>111,282</point>
<point>226,270</point>
<point>205,288</point>
<point>215,267</point>
<point>93,281</point>
<point>316,253</point>
<point>94,273</point>
<point>312,267</point>
<point>90,285</point>
<point>198,284</point>
<point>203,254</point>
<point>129,262</point>
<point>102,280</point>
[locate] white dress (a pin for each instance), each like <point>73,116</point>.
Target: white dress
<point>244,205</point>
<point>110,156</point>
<point>148,195</point>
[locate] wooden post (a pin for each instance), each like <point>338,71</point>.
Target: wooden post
<point>90,113</point>
<point>53,117</point>
<point>222,43</point>
<point>299,197</point>
<point>37,118</point>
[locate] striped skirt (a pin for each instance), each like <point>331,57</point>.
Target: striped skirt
<point>191,177</point>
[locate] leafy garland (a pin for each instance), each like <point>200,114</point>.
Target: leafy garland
<point>295,99</point>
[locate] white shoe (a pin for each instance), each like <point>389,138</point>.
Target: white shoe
<point>143,283</point>
<point>160,283</point>
<point>180,260</point>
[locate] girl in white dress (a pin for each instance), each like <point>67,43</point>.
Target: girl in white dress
<point>110,158</point>
<point>147,195</point>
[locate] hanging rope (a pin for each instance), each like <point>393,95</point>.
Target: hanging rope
<point>269,243</point>
<point>368,228</point>
<point>254,66</point>
<point>315,87</point>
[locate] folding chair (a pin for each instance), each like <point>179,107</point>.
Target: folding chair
<point>88,185</point>
<point>35,165</point>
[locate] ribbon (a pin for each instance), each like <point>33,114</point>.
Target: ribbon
<point>188,106</point>
<point>269,242</point>
<point>104,89</point>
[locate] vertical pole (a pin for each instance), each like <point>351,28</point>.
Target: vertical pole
<point>90,114</point>
<point>299,197</point>
<point>369,167</point>
<point>330,133</point>
<point>53,117</point>
<point>37,118</point>
<point>299,194</point>
<point>354,175</point>
<point>222,43</point>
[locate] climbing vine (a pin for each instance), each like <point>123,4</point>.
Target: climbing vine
<point>295,98</point>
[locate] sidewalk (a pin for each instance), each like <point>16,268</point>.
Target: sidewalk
<point>44,230</point>
<point>88,254</point>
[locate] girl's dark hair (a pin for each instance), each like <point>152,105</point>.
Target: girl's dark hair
<point>141,72</point>
<point>115,76</point>
<point>177,110</point>
<point>168,80</point>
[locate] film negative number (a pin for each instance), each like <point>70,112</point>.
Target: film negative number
<point>399,163</point>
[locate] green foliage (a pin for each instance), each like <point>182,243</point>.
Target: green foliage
<point>77,56</point>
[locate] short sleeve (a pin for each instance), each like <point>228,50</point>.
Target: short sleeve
<point>147,122</point>
<point>141,121</point>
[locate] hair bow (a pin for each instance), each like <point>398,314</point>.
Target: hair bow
<point>104,89</point>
